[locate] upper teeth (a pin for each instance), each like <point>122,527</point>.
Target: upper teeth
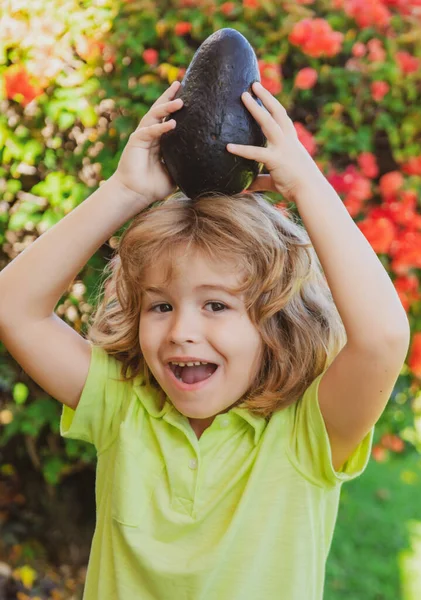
<point>189,364</point>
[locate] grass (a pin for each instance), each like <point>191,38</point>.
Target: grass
<point>376,549</point>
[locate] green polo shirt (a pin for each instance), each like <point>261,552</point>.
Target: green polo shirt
<point>247,511</point>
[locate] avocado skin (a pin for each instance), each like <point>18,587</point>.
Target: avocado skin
<point>213,115</point>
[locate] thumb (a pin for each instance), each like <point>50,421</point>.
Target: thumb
<point>262,183</point>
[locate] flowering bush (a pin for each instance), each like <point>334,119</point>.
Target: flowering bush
<point>76,78</point>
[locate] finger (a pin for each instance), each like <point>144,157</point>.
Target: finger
<point>164,110</point>
<point>165,98</point>
<point>159,112</point>
<point>169,94</point>
<point>274,107</point>
<point>148,134</point>
<point>250,152</point>
<point>263,117</point>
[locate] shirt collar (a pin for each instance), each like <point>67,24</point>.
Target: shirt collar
<point>149,397</point>
<point>258,422</point>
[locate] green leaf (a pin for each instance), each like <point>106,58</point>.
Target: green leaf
<point>13,186</point>
<point>20,393</point>
<point>88,117</point>
<point>31,428</point>
<point>31,151</point>
<point>15,148</point>
<point>50,159</point>
<point>66,120</point>
<point>18,220</point>
<point>52,469</point>
<point>55,187</point>
<point>49,219</point>
<point>7,156</point>
<point>364,138</point>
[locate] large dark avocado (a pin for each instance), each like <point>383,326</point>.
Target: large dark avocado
<point>213,115</point>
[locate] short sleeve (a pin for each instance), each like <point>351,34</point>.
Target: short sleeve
<point>309,447</point>
<point>99,413</point>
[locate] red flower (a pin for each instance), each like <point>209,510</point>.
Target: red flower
<point>406,251</point>
<point>355,187</point>
<point>376,51</point>
<point>353,204</point>
<point>251,3</point>
<point>402,209</point>
<point>380,233</point>
<point>150,56</point>
<point>409,200</point>
<point>368,164</point>
<point>182,28</point>
<point>379,454</point>
<point>342,182</point>
<point>17,82</point>
<point>392,442</point>
<point>414,361</point>
<point>407,63</point>
<point>306,138</point>
<point>368,13</point>
<point>227,8</point>
<point>360,191</point>
<point>412,166</point>
<point>379,89</point>
<point>405,7</point>
<point>271,76</point>
<point>358,49</point>
<point>306,78</point>
<point>408,288</point>
<point>316,38</point>
<point>391,183</point>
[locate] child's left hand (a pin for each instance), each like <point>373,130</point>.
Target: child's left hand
<point>286,159</point>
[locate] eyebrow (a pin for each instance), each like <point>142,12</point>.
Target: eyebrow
<point>232,291</point>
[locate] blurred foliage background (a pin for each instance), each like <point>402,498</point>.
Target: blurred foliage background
<point>76,77</point>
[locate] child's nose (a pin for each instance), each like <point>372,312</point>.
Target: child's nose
<point>185,328</point>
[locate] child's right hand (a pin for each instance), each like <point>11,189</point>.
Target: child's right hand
<point>140,168</point>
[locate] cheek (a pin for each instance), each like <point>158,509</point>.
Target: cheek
<point>244,341</point>
<point>146,337</point>
<point>253,349</point>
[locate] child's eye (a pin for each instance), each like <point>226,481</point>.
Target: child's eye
<point>219,305</point>
<point>153,308</point>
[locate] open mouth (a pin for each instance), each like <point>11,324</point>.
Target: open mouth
<point>193,374</point>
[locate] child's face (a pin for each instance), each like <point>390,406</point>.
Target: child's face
<point>204,324</point>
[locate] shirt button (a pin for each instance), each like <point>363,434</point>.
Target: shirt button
<point>193,463</point>
<point>225,423</point>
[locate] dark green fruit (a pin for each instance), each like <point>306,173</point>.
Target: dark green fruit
<point>212,116</point>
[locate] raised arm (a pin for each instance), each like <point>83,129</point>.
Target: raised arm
<point>52,353</point>
<point>49,350</point>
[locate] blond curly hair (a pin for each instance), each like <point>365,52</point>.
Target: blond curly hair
<point>286,294</point>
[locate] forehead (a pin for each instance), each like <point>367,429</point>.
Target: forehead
<point>193,266</point>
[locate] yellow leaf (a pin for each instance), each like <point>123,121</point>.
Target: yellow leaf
<point>7,469</point>
<point>163,69</point>
<point>161,28</point>
<point>145,79</point>
<point>26,574</point>
<point>172,74</point>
